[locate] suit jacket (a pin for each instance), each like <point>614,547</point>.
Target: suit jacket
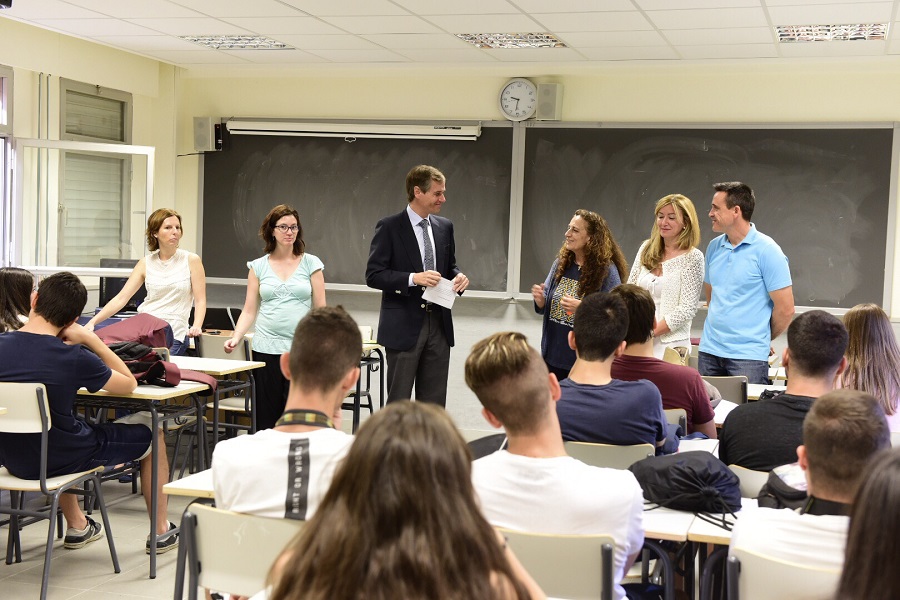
<point>394,254</point>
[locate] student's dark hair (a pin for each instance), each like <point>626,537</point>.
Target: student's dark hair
<point>601,254</point>
<point>816,344</point>
<point>510,379</point>
<point>421,176</point>
<point>843,430</point>
<point>641,311</point>
<point>267,229</point>
<point>154,224</point>
<point>327,344</point>
<point>601,322</point>
<point>738,194</point>
<point>60,299</point>
<point>400,520</point>
<point>872,544</point>
<point>15,297</point>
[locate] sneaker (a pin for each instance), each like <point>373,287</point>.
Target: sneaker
<point>165,544</point>
<point>79,538</point>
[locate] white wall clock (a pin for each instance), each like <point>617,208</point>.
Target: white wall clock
<point>518,99</point>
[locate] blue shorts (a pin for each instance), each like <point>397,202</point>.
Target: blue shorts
<point>119,443</point>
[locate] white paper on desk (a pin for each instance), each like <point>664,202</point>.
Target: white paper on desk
<point>721,411</point>
<point>441,294</point>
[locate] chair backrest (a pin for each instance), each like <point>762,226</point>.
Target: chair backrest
<point>566,566</point>
<point>470,435</point>
<point>732,387</point>
<point>677,416</point>
<point>694,358</point>
<point>27,408</point>
<point>213,346</point>
<point>216,318</point>
<point>751,576</point>
<point>751,481</point>
<point>231,551</point>
<point>163,353</point>
<point>608,455</point>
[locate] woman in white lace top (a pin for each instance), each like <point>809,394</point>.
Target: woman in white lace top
<point>174,278</point>
<point>670,267</point>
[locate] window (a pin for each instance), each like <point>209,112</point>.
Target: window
<point>6,96</point>
<point>94,203</point>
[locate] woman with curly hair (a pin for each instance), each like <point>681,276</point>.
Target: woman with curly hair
<point>400,520</point>
<point>670,267</point>
<point>873,357</point>
<point>16,286</point>
<point>589,261</point>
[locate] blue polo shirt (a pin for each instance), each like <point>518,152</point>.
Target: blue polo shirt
<point>740,311</point>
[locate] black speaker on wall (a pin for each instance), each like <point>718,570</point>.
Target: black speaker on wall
<point>5,3</point>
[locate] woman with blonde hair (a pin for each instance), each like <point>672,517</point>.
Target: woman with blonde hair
<point>16,286</point>
<point>174,278</point>
<point>873,357</point>
<point>670,267</point>
<point>400,520</point>
<point>589,261</point>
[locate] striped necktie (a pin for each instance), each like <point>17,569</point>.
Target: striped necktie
<point>426,239</point>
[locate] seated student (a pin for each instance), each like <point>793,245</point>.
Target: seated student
<point>16,286</point>
<point>842,434</point>
<point>593,406</point>
<point>871,555</point>
<point>401,520</point>
<point>285,471</point>
<point>533,485</point>
<point>765,434</point>
<point>54,350</point>
<point>680,387</point>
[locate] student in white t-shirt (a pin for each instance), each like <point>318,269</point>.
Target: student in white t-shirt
<point>533,485</point>
<point>284,472</point>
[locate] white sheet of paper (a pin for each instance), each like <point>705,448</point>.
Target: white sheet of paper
<point>441,294</point>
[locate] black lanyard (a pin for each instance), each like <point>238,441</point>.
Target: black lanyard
<point>313,418</point>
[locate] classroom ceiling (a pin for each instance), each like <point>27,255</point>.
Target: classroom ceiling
<point>420,33</point>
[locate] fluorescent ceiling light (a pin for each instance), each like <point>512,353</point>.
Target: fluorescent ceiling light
<point>236,42</point>
<point>832,33</point>
<point>512,40</point>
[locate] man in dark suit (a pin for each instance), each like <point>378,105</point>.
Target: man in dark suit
<point>410,251</point>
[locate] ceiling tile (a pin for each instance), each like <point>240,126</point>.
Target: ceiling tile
<point>91,27</point>
<point>241,8</point>
<point>348,8</point>
<point>604,39</point>
<point>564,6</point>
<point>597,21</point>
<point>377,55</point>
<point>862,12</point>
<point>326,42</point>
<point>136,9</point>
<point>46,9</point>
<point>197,57</point>
<point>362,25</point>
<point>705,37</point>
<point>833,49</point>
<point>203,26</point>
<point>274,57</point>
<point>728,51</point>
<point>276,25</point>
<point>803,2</point>
<point>457,7</point>
<point>622,53</point>
<point>446,55</point>
<point>485,23</point>
<point>536,54</point>
<point>434,41</point>
<point>146,42</point>
<point>686,4</point>
<point>708,18</point>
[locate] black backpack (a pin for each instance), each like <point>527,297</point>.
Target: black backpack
<point>694,481</point>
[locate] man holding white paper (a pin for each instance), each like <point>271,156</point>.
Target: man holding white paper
<point>411,252</point>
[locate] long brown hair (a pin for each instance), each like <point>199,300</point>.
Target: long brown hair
<point>267,229</point>
<point>600,253</point>
<point>400,520</point>
<point>872,355</point>
<point>872,546</point>
<point>653,253</point>
<point>15,297</point>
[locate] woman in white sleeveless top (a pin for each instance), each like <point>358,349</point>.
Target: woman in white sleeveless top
<point>174,278</point>
<point>670,267</point>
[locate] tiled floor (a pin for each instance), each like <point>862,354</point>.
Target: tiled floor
<point>88,572</point>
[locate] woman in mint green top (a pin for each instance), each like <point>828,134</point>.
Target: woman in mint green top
<point>282,286</point>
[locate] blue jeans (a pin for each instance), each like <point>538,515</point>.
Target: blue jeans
<point>179,347</point>
<point>757,371</point>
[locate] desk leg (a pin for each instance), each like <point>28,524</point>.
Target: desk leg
<point>356,408</point>
<point>202,444</point>
<point>381,370</point>
<point>154,484</point>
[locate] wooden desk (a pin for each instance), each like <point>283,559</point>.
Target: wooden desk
<point>755,389</point>
<point>711,446</point>
<point>217,367</point>
<point>198,485</point>
<point>777,373</point>
<point>148,398</point>
<point>667,524</point>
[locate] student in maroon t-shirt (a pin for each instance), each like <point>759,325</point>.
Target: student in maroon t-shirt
<point>680,387</point>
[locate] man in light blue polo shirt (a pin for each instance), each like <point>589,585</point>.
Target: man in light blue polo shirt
<point>748,288</point>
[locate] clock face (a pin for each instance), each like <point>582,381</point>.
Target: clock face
<point>518,99</point>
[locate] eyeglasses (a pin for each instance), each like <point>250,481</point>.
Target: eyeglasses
<point>286,228</point>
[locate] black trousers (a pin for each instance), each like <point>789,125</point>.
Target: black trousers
<point>427,364</point>
<point>271,390</point>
